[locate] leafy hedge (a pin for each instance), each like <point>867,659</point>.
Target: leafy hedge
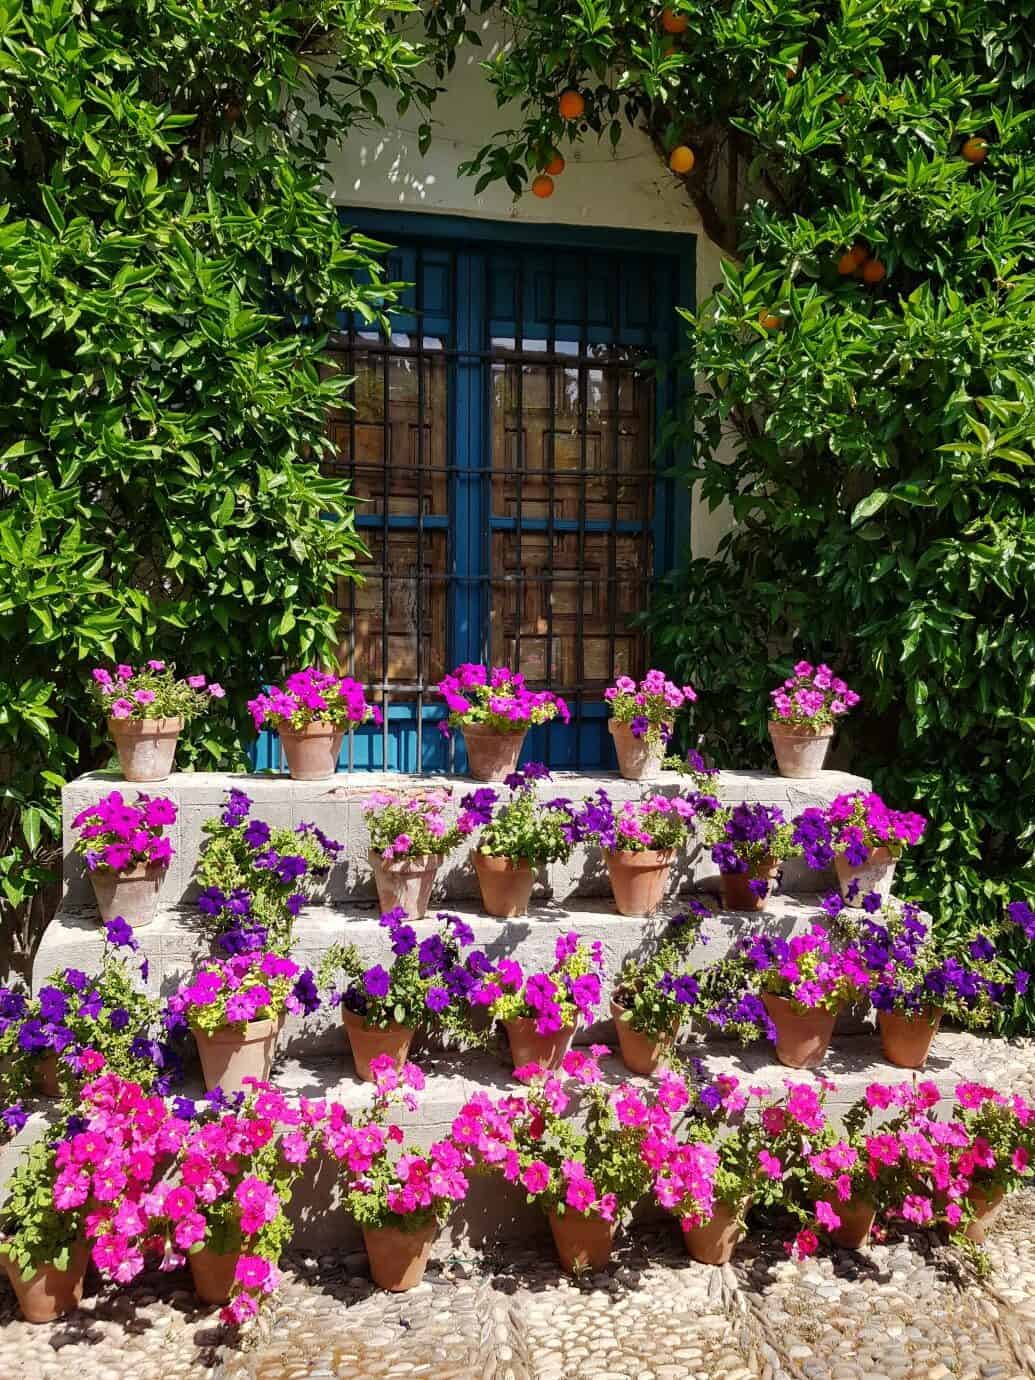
<point>873,439</point>
<point>169,266</point>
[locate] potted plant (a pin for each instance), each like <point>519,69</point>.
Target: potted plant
<point>995,1154</point>
<point>44,1247</point>
<point>515,838</point>
<point>585,1175</point>
<point>218,1175</point>
<point>803,983</point>
<point>235,1007</point>
<point>805,709</point>
<point>749,842</point>
<point>642,720</point>
<point>312,712</point>
<point>495,709</point>
<point>399,1198</point>
<point>409,837</point>
<point>76,1024</point>
<point>639,840</point>
<point>542,1011</point>
<point>126,853</point>
<point>914,979</point>
<point>862,838</point>
<point>426,987</point>
<point>256,877</point>
<point>655,992</point>
<point>146,711</point>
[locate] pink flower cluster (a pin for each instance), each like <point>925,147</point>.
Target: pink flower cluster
<point>156,694</point>
<point>499,698</point>
<point>570,991</point>
<point>245,987</point>
<point>656,696</point>
<point>312,696</point>
<point>114,834</point>
<point>656,821</point>
<point>813,697</point>
<point>863,818</point>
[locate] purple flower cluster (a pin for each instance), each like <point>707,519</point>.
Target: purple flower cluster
<point>655,822</point>
<point>853,825</point>
<point>120,836</point>
<point>312,696</point>
<point>750,831</point>
<point>445,977</point>
<point>498,697</point>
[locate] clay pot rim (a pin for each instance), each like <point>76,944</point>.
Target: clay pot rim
<point>489,731</point>
<point>413,862</point>
<point>801,730</point>
<point>531,1020</point>
<point>171,723</point>
<point>928,1015</point>
<point>243,1032</point>
<point>507,863</point>
<point>318,728</point>
<point>358,1022</point>
<point>134,873</point>
<point>642,857</point>
<point>613,724</point>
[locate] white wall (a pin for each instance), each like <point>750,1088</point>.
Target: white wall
<point>628,189</point>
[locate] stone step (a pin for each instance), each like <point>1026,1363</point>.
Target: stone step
<point>495,1211</point>
<point>336,806</point>
<point>178,940</point>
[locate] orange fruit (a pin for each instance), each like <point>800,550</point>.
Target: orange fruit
<point>851,259</point>
<point>681,159</point>
<point>769,321</point>
<point>674,23</point>
<point>555,166</point>
<point>873,271</point>
<point>542,186</point>
<point>571,105</point>
<point>975,150</point>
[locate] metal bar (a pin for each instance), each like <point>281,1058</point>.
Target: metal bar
<point>616,403</point>
<point>645,569</point>
<point>580,559</point>
<point>352,583</point>
<point>386,432</point>
<point>419,307</point>
<point>500,356</point>
<point>550,464</point>
<point>519,451</point>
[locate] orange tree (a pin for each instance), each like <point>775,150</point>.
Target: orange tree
<point>869,360</point>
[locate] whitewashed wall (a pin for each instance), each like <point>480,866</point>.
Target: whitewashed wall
<point>629,189</point>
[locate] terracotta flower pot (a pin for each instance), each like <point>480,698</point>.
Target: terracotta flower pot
<point>802,1039</point>
<point>906,1040</point>
<point>312,752</point>
<point>800,752</point>
<point>51,1292</point>
<point>641,1054</point>
<point>132,894</point>
<point>45,1077</point>
<point>735,887</point>
<point>986,1209</point>
<point>638,880</point>
<point>213,1273</point>
<point>527,1046</point>
<point>714,1242</point>
<point>146,747</point>
<point>398,1258</point>
<point>367,1042</point>
<point>584,1242</point>
<point>236,1052</point>
<point>857,1217</point>
<point>490,755</point>
<point>637,760</point>
<point>405,882</point>
<point>506,884</point>
<point>877,874</point>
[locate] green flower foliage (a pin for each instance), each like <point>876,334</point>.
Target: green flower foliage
<point>170,266</point>
<point>35,1232</point>
<point>872,439</point>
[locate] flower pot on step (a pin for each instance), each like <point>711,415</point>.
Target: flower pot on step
<point>133,895</point>
<point>312,752</point>
<point>802,1037</point>
<point>714,1241</point>
<point>642,1054</point>
<point>906,1040</point>
<point>146,747</point>
<point>399,1258</point>
<point>857,1216</point>
<point>527,1046</point>
<point>735,889</point>
<point>45,1077</point>
<point>877,874</point>
<point>213,1273</point>
<point>584,1242</point>
<point>506,884</point>
<point>233,1053</point>
<point>800,751</point>
<point>368,1041</point>
<point>638,880</point>
<point>405,882</point>
<point>637,760</point>
<point>50,1293</point>
<point>491,755</point>
<point>986,1206</point>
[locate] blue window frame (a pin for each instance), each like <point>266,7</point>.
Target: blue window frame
<point>514,496</point>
